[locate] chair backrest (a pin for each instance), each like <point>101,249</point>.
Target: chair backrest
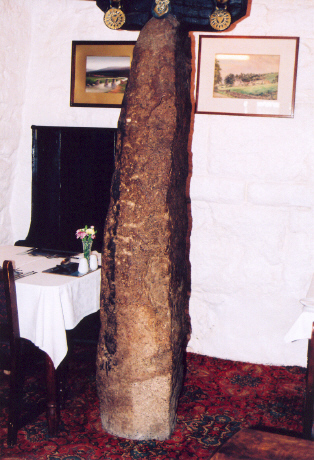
<point>10,297</point>
<point>10,332</point>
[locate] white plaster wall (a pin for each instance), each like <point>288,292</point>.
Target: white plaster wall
<point>252,251</point>
<point>252,191</point>
<point>14,55</point>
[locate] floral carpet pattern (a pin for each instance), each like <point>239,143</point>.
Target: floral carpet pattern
<point>219,398</point>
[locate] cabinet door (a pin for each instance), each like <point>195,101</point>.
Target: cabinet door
<point>71,179</point>
<point>44,227</point>
<point>87,164</point>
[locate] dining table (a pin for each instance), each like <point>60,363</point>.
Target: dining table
<point>52,297</point>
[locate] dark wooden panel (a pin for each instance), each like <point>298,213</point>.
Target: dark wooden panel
<point>71,178</point>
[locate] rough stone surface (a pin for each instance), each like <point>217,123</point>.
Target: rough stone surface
<point>144,294</point>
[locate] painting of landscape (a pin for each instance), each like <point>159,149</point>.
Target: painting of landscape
<point>107,74</point>
<point>246,76</point>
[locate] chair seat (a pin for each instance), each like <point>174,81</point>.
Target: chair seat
<point>259,445</point>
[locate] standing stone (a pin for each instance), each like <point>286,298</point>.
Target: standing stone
<point>144,291</point>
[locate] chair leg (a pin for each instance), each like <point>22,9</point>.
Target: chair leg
<point>309,398</point>
<point>14,395</point>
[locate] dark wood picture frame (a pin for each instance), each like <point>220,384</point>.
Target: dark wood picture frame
<point>114,61</point>
<point>263,86</point>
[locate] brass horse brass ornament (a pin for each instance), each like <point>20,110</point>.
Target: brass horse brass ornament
<point>220,19</point>
<point>114,17</point>
<point>161,8</point>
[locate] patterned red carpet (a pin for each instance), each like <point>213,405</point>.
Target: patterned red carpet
<point>219,398</point>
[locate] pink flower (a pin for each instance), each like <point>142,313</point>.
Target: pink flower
<point>86,233</point>
<point>80,234</point>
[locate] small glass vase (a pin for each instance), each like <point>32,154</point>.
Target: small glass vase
<point>87,247</point>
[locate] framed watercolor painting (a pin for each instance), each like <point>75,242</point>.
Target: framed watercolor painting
<point>99,73</point>
<point>248,76</point>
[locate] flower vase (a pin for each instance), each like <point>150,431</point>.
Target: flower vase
<point>87,247</point>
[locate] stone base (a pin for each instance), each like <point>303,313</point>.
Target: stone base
<point>140,420</point>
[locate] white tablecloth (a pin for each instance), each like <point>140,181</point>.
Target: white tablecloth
<point>48,304</point>
<point>302,328</point>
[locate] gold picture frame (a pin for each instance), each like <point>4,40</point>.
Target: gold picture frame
<point>99,72</point>
<point>247,76</point>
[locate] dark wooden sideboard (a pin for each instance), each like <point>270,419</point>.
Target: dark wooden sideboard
<point>72,169</point>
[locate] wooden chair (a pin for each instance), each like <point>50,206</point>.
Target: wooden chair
<point>10,336</point>
<point>9,331</point>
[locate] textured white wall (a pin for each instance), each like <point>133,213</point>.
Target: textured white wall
<point>14,53</point>
<point>252,251</point>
